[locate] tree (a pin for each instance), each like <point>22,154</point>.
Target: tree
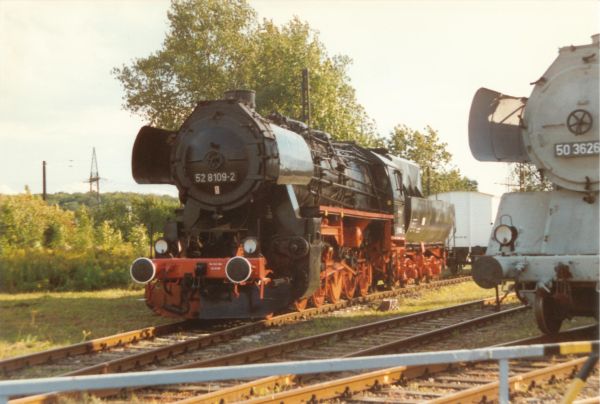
<point>153,212</point>
<point>27,221</point>
<point>525,177</point>
<point>118,214</point>
<point>426,149</point>
<point>218,45</point>
<point>202,55</point>
<point>333,100</point>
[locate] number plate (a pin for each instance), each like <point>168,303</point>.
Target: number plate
<point>577,149</point>
<point>216,178</point>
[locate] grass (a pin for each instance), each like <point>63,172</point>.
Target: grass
<point>521,325</point>
<point>415,302</point>
<point>32,322</point>
<point>518,326</point>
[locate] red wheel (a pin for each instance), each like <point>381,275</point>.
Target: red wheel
<point>364,280</point>
<point>348,284</point>
<point>334,287</point>
<point>410,269</point>
<point>300,304</point>
<point>318,298</point>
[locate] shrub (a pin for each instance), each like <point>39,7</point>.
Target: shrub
<point>27,270</point>
<point>44,247</point>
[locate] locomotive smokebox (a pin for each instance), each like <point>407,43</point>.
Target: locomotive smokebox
<point>556,128</point>
<point>223,156</point>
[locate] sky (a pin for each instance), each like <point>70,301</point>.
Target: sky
<point>416,63</point>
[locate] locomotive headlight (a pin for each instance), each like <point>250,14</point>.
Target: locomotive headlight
<point>161,246</point>
<point>250,245</point>
<point>505,234</point>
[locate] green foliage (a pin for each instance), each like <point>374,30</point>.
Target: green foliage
<point>123,211</point>
<point>75,201</point>
<point>108,236</point>
<point>426,149</point>
<point>83,239</point>
<point>25,269</point>
<point>26,220</point>
<point>83,246</point>
<point>202,55</point>
<point>215,45</point>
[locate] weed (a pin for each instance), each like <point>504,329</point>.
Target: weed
<point>33,314</point>
<point>86,334</point>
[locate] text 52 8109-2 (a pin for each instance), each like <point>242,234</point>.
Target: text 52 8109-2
<point>212,178</point>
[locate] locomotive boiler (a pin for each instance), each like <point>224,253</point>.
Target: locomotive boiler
<point>546,242</point>
<point>275,214</point>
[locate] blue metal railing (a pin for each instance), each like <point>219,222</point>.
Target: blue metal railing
<point>12,388</point>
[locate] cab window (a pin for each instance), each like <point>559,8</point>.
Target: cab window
<point>398,178</point>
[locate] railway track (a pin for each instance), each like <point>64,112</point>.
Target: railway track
<point>84,357</point>
<point>442,383</point>
<point>478,383</point>
<point>136,349</point>
<point>583,333</point>
<point>385,336</point>
<point>154,347</point>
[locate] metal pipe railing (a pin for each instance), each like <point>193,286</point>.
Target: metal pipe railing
<point>11,388</point>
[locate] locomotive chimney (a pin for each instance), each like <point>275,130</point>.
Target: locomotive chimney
<point>247,97</point>
<point>595,38</point>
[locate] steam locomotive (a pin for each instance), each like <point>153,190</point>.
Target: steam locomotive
<point>546,243</point>
<point>277,215</point>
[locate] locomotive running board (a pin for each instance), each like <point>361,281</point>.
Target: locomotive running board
<point>334,210</point>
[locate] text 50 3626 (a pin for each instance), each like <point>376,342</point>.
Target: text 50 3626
<point>576,149</point>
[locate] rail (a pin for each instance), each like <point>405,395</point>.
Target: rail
<point>130,362</point>
<point>13,388</point>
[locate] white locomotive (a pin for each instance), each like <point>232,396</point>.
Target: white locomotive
<point>546,242</point>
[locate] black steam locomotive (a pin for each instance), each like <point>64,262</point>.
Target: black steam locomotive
<point>277,214</point>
